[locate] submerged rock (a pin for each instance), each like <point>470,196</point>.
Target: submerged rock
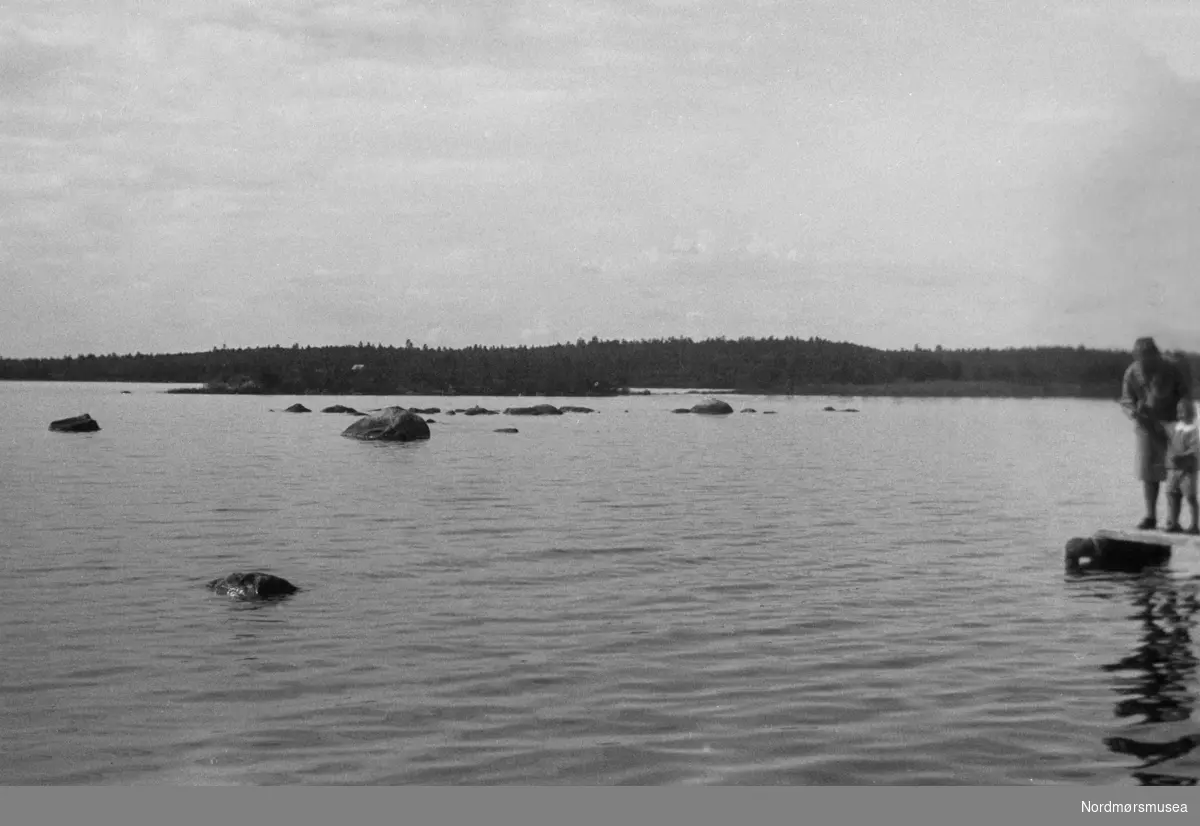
<point>506,430</point>
<point>682,410</point>
<point>297,408</point>
<point>478,411</point>
<point>536,410</point>
<point>829,409</point>
<point>392,424</point>
<point>76,424</point>
<point>254,585</point>
<point>712,407</point>
<point>574,409</point>
<point>341,408</point>
<point>749,410</point>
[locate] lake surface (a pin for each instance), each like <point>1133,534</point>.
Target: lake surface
<point>628,596</point>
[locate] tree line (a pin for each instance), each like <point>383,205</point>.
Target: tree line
<point>595,367</point>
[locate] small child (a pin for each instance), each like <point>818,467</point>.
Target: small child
<point>1183,458</point>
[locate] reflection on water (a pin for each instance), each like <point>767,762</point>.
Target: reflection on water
<point>1157,681</point>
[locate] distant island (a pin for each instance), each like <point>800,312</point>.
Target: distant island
<point>792,366</point>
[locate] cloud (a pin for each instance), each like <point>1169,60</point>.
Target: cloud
<point>1128,242</point>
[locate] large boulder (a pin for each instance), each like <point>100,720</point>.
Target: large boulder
<point>254,585</point>
<point>392,424</point>
<point>75,424</point>
<point>712,407</point>
<point>1108,554</point>
<point>536,410</point>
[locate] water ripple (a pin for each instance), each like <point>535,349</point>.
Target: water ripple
<point>686,602</point>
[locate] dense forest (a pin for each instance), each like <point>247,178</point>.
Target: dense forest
<point>754,365</point>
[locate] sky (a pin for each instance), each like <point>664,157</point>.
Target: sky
<point>179,175</point>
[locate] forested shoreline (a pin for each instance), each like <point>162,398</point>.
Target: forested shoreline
<point>595,367</point>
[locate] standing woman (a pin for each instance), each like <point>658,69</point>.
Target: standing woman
<point>1150,395</point>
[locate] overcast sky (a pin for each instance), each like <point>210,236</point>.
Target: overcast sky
<point>182,174</point>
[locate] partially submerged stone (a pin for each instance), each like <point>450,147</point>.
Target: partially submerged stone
<point>535,410</point>
<point>392,424</point>
<point>506,430</point>
<point>569,408</point>
<point>75,424</point>
<point>341,408</point>
<point>712,407</point>
<point>254,585</point>
<point>297,408</point>
<point>1116,553</point>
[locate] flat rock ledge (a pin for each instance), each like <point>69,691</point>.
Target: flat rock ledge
<point>535,410</point>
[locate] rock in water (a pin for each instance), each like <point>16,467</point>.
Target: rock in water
<point>570,408</point>
<point>392,424</point>
<point>536,410</point>
<point>341,408</point>
<point>254,585</point>
<point>712,407</point>
<point>297,408</point>
<point>506,430</point>
<point>76,424</point>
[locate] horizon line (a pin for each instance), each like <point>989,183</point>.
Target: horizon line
<point>938,348</point>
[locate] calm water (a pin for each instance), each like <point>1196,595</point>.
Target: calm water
<point>629,596</point>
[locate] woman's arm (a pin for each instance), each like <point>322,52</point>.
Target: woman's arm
<point>1130,402</point>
